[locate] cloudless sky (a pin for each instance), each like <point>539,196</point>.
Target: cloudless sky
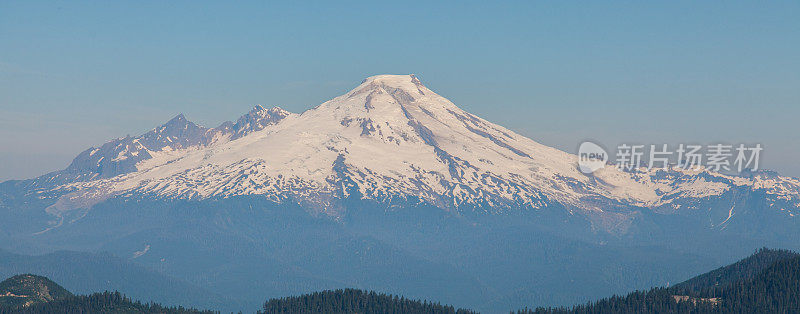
<point>76,74</point>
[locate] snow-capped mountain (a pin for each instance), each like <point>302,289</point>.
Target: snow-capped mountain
<point>391,187</point>
<point>122,155</point>
<point>391,139</point>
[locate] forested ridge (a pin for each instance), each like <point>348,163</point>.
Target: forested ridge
<point>32,294</point>
<point>354,301</point>
<point>105,302</point>
<point>766,282</point>
<point>744,269</point>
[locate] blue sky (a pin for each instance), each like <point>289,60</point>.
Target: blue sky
<point>75,74</point>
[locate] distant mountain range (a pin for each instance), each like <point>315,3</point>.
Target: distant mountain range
<point>391,187</point>
<point>765,282</point>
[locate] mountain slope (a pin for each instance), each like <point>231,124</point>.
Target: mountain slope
<point>27,289</point>
<point>742,270</point>
<point>36,294</point>
<point>123,155</point>
<point>86,273</point>
<point>765,282</point>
